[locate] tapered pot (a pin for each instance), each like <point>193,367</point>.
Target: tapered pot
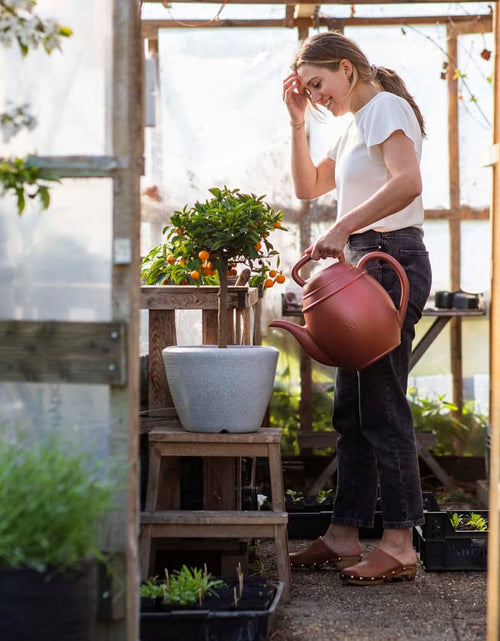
<point>221,389</point>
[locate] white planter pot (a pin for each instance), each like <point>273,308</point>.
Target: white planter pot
<point>221,390</point>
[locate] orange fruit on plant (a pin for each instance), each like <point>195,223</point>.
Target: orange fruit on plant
<point>257,246</point>
<point>277,223</point>
<point>272,273</point>
<point>269,282</point>
<point>204,255</point>
<point>171,259</point>
<point>195,274</point>
<point>179,232</point>
<point>182,262</point>
<point>280,278</point>
<point>265,235</point>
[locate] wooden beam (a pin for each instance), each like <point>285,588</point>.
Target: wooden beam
<point>481,23</point>
<point>79,166</point>
<point>454,223</point>
<point>493,610</point>
<point>285,2</point>
<point>464,212</point>
<point>63,352</point>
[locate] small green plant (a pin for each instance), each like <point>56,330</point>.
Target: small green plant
<point>324,495</point>
<point>295,496</point>
<point>26,180</point>
<point>152,588</point>
<point>52,501</point>
<point>209,239</point>
<point>475,521</point>
<point>189,586</point>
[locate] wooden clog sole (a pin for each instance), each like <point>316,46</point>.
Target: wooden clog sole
<point>405,573</point>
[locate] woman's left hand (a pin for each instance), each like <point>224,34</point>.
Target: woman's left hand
<point>330,244</point>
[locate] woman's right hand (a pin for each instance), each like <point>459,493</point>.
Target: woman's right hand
<point>294,97</point>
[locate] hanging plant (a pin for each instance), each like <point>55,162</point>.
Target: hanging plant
<point>26,181</point>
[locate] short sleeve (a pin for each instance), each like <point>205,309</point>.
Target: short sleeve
<point>384,118</point>
<point>333,151</point>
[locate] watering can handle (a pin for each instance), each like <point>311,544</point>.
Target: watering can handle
<point>303,261</point>
<point>403,279</point>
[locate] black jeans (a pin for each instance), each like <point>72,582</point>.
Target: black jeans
<point>370,409</point>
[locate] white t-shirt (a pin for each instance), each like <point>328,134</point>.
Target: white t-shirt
<point>359,168</point>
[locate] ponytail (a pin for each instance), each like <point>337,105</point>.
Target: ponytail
<point>390,81</point>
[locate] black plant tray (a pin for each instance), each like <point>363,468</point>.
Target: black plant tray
<point>211,624</point>
<point>443,549</point>
<point>310,525</point>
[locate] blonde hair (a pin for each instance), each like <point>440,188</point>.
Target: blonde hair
<point>329,48</point>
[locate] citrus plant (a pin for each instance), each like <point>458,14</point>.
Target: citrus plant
<point>207,241</point>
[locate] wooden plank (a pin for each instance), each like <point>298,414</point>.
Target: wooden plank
<point>318,440</point>
<point>192,297</point>
<point>464,212</point>
<point>171,435</point>
<point>63,351</point>
<point>80,166</point>
<point>213,449</point>
<point>286,2</point>
<point>219,483</point>
<point>493,609</point>
<point>214,517</point>
<point>161,334</point>
<point>462,24</point>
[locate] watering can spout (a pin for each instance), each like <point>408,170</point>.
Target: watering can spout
<point>305,339</point>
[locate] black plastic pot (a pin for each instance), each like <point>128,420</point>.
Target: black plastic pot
<point>43,606</point>
<point>212,624</point>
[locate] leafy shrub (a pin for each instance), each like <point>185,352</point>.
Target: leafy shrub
<point>439,416</point>
<point>51,504</point>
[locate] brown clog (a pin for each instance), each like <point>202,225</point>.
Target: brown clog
<point>379,567</point>
<point>318,555</point>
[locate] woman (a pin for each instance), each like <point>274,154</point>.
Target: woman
<point>375,168</point>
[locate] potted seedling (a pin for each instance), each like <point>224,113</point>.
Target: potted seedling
<point>219,388</point>
<point>51,503</point>
<point>193,604</point>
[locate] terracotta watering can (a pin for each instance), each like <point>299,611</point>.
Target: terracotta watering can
<point>350,319</point>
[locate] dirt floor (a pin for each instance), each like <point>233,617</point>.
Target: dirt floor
<point>437,606</point>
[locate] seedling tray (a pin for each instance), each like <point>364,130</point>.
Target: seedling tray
<point>444,549</point>
<point>210,625</point>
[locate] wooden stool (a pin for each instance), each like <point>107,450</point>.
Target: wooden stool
<point>221,524</point>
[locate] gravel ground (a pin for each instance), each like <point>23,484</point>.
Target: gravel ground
<point>437,606</point>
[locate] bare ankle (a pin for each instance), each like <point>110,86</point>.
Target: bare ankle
<point>343,538</point>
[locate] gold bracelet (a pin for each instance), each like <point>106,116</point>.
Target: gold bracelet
<point>298,125</point>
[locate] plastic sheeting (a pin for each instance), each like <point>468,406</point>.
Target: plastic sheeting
<point>56,264</point>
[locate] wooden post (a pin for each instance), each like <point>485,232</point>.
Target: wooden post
<point>493,611</point>
<point>305,406</point>
<point>127,142</point>
<point>454,222</point>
